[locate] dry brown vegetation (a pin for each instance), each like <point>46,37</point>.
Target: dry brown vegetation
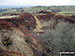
<point>16,34</point>
<point>14,37</point>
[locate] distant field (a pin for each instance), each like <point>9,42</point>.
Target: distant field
<point>66,10</point>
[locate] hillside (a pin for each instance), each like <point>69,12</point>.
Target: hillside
<point>15,39</point>
<point>43,33</point>
<point>58,32</point>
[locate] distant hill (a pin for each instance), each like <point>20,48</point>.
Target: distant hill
<point>67,10</point>
<point>60,9</point>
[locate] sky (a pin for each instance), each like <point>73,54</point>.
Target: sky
<point>36,2</point>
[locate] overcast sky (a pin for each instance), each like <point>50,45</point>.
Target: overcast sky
<point>36,2</point>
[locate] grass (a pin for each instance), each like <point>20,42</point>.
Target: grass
<point>67,12</point>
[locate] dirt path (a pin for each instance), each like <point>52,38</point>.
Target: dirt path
<point>5,17</point>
